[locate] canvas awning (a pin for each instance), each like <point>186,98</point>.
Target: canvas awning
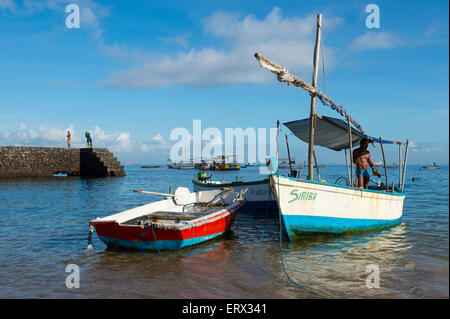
<point>329,132</point>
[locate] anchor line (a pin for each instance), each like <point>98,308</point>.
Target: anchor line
<point>281,247</point>
<point>156,244</point>
<point>91,230</point>
<point>300,286</point>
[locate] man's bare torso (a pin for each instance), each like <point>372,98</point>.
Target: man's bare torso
<point>361,158</point>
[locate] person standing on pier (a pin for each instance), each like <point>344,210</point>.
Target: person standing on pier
<point>68,139</point>
<point>88,139</point>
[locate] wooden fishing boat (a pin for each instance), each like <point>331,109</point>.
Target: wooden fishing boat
<point>180,165</point>
<point>251,164</point>
<point>286,163</point>
<point>151,166</point>
<point>185,166</point>
<point>258,195</point>
<point>316,206</point>
<point>431,167</point>
<point>182,219</point>
<point>222,164</point>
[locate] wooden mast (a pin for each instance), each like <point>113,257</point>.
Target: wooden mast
<point>317,166</point>
<point>399,165</point>
<point>404,165</point>
<point>348,168</point>
<point>312,114</point>
<point>350,143</point>
<point>385,168</point>
<point>289,156</point>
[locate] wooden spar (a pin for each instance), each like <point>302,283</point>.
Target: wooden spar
<point>348,168</point>
<point>283,75</point>
<point>317,166</point>
<point>350,140</point>
<point>278,131</point>
<point>312,114</point>
<point>404,166</point>
<point>289,155</point>
<point>384,162</point>
<point>153,193</point>
<point>399,165</point>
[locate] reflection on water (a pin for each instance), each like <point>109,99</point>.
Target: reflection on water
<point>337,263</point>
<point>44,228</point>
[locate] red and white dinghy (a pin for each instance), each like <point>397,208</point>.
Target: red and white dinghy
<point>182,219</point>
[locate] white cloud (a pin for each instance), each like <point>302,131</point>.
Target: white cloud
<point>288,41</point>
<point>424,147</point>
<point>90,11</point>
<point>7,4</point>
<point>156,145</point>
<point>121,143</point>
<point>116,141</point>
<point>157,138</point>
<point>376,40</point>
<point>44,135</point>
<point>181,40</point>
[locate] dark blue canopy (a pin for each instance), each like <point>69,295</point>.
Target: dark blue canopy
<point>330,132</point>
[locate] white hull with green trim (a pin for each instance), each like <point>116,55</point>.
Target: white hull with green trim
<point>307,206</point>
<point>258,195</point>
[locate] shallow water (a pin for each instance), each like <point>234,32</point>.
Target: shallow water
<point>44,226</point>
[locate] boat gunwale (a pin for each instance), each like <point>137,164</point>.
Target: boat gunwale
<point>202,220</point>
<point>400,194</point>
<point>235,183</point>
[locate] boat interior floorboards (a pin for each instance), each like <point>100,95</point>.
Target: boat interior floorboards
<point>172,216</point>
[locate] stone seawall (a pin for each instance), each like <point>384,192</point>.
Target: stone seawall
<point>22,161</point>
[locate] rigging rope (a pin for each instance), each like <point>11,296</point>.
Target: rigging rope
<point>283,75</point>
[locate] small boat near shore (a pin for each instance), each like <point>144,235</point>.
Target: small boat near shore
<point>258,194</point>
<point>182,219</point>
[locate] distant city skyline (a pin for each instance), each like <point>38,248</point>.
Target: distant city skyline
<point>134,71</point>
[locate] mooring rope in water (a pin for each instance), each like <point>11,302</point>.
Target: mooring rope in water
<point>159,251</point>
<point>281,256</point>
<point>154,235</point>
<point>91,230</point>
<point>281,246</point>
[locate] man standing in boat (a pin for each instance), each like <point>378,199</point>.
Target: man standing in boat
<point>361,157</point>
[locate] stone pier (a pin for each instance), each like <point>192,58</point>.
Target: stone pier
<point>22,161</point>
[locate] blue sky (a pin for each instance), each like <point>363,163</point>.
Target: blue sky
<point>135,70</point>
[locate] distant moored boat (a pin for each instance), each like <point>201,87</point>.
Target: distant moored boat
<point>431,167</point>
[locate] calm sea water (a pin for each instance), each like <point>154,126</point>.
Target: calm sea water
<point>44,227</point>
